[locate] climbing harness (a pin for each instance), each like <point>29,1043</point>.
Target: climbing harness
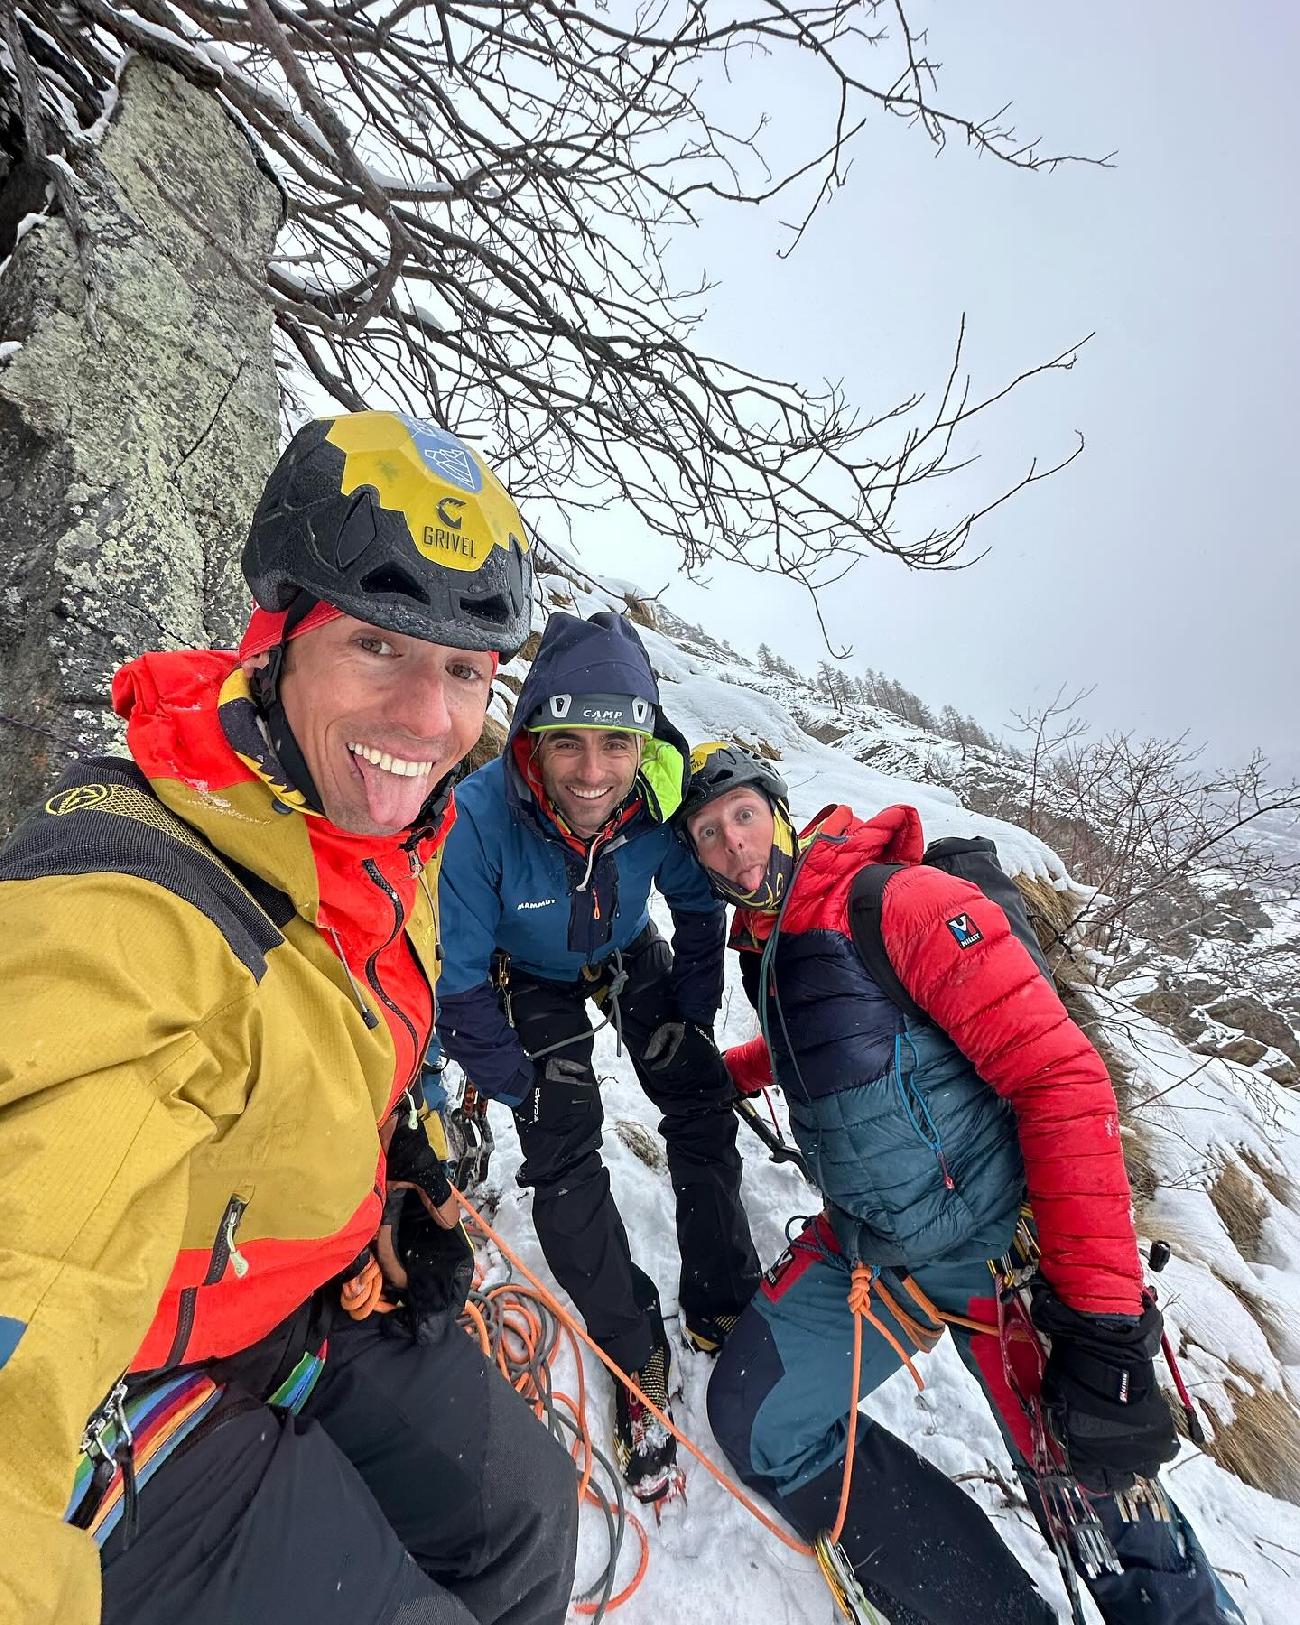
<point>599,996</point>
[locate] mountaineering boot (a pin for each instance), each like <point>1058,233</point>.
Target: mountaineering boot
<point>644,1448</point>
<point>707,1333</point>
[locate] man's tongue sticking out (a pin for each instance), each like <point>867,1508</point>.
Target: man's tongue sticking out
<point>394,799</point>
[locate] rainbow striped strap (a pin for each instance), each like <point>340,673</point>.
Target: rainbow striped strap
<point>294,1392</point>
<point>159,1417</point>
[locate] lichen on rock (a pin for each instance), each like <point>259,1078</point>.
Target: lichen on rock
<point>138,418</point>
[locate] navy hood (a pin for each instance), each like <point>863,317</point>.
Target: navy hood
<point>600,656</point>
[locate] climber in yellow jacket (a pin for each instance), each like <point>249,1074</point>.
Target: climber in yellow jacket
<point>218,958</point>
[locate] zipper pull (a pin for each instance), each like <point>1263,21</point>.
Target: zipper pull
<point>367,1014</point>
<point>595,904</point>
<point>92,1438</point>
<point>124,1457</point>
<point>412,1116</point>
<point>94,1446</point>
<point>238,1262</point>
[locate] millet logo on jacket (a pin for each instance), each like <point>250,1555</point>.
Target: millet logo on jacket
<point>965,930</point>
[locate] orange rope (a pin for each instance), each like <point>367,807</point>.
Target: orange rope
<point>924,1338</point>
<point>860,1303</point>
<point>567,1320</point>
<point>521,1337</point>
<point>520,1345</point>
<point>524,1329</point>
<point>942,1315</point>
<point>859,1294</point>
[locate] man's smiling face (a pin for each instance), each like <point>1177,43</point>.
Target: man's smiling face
<point>380,718</point>
<point>587,773</point>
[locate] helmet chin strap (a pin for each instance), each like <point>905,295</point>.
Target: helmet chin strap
<point>265,686</point>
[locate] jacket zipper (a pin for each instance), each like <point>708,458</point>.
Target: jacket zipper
<point>372,964</point>
<point>111,1413</point>
<point>224,1251</point>
<point>367,1014</point>
<point>908,1092</point>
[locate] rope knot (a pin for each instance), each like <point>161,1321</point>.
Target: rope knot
<point>860,1290</point>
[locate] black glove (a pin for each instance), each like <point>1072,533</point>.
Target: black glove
<point>1100,1392</point>
<point>438,1266</point>
<point>413,1161</point>
<point>666,1040</point>
<point>562,1087</point>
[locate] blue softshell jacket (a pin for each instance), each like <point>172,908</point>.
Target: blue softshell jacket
<point>511,882</point>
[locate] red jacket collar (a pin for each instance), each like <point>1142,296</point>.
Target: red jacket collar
<point>835,842</point>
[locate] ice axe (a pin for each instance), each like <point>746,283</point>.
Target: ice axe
<point>1157,1258</point>
<point>779,1148</point>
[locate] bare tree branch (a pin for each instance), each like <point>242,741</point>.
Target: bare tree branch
<point>481,195</point>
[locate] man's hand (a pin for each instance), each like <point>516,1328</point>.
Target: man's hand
<point>665,1042</point>
<point>413,1164</point>
<point>428,1266</point>
<point>1101,1394</point>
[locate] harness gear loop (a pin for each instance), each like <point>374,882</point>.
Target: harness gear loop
<point>610,992</point>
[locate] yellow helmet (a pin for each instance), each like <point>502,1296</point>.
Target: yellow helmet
<point>399,523</point>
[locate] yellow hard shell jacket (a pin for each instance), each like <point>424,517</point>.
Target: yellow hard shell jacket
<point>213,999</point>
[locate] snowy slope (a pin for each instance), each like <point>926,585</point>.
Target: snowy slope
<point>1236,1318</point>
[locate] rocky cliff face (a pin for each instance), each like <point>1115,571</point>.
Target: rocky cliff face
<point>138,416</point>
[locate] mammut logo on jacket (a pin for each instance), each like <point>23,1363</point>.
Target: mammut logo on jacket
<point>542,902</point>
<point>965,930</point>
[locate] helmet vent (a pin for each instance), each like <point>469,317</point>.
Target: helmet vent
<point>496,609</point>
<point>392,581</point>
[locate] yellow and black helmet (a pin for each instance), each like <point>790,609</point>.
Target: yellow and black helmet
<point>399,523</point>
<point>717,768</point>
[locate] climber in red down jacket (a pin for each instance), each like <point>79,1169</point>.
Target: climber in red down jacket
<point>935,1087</point>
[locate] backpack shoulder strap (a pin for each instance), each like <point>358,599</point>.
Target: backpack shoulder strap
<point>105,817</point>
<point>865,903</point>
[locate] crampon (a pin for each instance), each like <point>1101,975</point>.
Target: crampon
<point>645,1450</point>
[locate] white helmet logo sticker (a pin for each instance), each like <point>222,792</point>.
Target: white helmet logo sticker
<point>445,454</point>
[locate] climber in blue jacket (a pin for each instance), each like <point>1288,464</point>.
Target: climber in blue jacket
<point>545,894</point>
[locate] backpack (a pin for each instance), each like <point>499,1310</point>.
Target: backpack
<point>974,859</point>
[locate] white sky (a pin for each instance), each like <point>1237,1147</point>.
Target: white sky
<point>1163,565</point>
